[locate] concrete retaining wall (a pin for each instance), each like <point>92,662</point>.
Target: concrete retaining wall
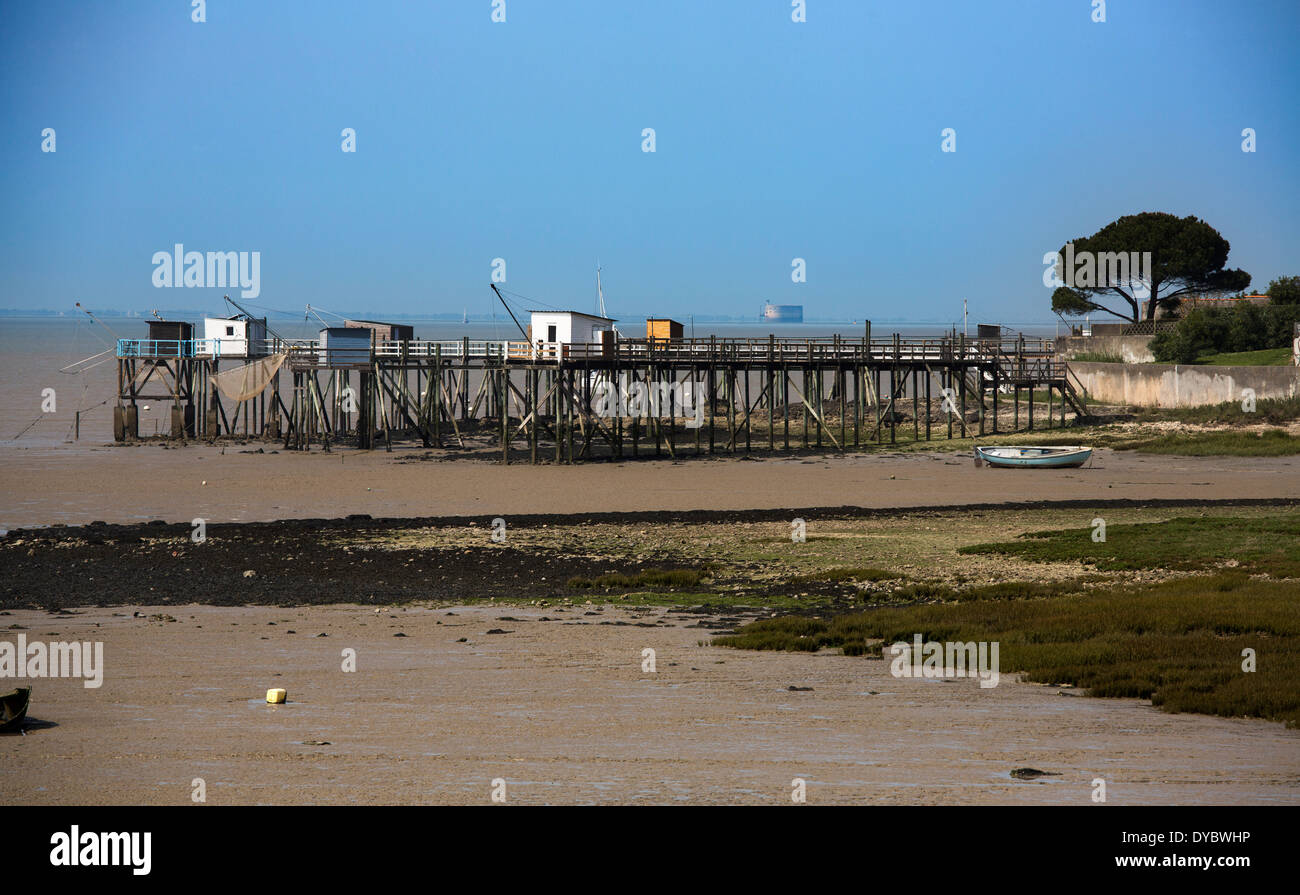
<point>1172,385</point>
<point>1133,349</point>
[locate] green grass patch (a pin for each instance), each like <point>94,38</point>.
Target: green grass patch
<point>669,578</point>
<point>1265,357</point>
<point>1228,443</point>
<point>1264,545</point>
<point>1273,411</point>
<point>1178,643</point>
<point>1097,357</point>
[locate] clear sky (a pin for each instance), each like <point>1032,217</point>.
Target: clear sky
<point>522,140</point>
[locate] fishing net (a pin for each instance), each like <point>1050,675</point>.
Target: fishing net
<point>250,380</point>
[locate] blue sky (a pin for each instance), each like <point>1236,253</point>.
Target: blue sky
<point>523,140</point>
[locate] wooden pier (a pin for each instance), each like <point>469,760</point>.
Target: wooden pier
<point>567,403</point>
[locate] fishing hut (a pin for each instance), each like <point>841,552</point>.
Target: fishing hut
<point>384,332</point>
<point>170,338</point>
<point>160,368</point>
<point>553,332</point>
<point>233,337</point>
<point>344,347</point>
<point>662,329</point>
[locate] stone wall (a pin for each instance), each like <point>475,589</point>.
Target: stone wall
<point>1173,385</point>
<point>1133,349</point>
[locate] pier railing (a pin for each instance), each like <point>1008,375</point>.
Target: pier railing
<point>1026,357</point>
<point>168,348</point>
<point>205,348</point>
<point>821,350</point>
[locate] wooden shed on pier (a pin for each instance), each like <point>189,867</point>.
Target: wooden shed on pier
<point>170,338</point>
<point>384,332</point>
<point>663,329</point>
<point>344,346</point>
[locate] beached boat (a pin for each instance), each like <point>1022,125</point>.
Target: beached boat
<point>1040,456</point>
<point>13,709</point>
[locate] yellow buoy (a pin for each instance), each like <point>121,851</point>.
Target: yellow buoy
<point>275,696</point>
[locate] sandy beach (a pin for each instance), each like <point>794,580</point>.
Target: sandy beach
<point>563,713</point>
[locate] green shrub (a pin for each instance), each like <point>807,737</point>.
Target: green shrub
<point>1284,290</point>
<point>1185,342</point>
<point>1221,330</point>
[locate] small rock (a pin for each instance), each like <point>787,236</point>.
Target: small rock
<point>1032,773</point>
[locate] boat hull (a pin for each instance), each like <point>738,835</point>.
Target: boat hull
<point>13,709</point>
<point>1044,457</point>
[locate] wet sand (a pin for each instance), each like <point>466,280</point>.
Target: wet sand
<point>77,485</point>
<point>564,714</point>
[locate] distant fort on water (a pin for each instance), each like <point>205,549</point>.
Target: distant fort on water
<point>783,313</point>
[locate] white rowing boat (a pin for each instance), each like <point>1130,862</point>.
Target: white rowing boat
<point>1040,456</point>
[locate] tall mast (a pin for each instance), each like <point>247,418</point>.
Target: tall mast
<point>600,299</point>
<point>600,294</point>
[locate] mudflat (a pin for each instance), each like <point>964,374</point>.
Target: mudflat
<point>562,711</point>
<point>77,485</point>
